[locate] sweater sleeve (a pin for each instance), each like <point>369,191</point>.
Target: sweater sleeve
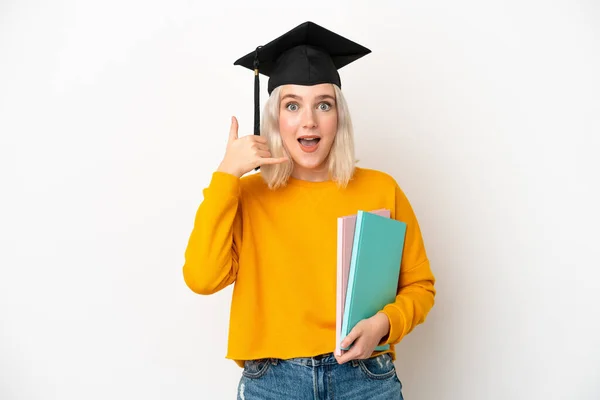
<point>416,292</point>
<point>212,253</point>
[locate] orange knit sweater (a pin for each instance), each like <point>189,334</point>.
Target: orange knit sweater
<point>279,247</point>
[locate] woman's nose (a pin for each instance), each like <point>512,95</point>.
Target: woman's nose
<point>309,121</point>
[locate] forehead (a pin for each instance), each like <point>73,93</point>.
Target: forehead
<point>308,91</point>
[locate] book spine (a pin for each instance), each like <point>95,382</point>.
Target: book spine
<point>339,298</point>
<point>352,273</point>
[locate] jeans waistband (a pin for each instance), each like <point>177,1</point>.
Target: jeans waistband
<point>315,361</point>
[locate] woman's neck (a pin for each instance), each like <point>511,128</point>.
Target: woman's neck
<point>319,174</point>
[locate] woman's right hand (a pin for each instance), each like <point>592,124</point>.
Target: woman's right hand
<point>246,153</point>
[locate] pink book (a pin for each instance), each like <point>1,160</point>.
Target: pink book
<point>345,240</point>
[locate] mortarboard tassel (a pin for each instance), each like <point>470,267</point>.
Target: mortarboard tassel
<point>256,97</point>
<point>256,94</point>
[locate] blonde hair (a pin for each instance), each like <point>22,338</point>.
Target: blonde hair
<point>341,160</point>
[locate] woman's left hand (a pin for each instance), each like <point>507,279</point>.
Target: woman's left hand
<point>364,337</point>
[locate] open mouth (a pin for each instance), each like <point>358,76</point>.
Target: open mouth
<point>309,144</point>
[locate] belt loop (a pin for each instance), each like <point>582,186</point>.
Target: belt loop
<point>354,363</point>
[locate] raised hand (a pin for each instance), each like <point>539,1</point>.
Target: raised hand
<point>245,153</point>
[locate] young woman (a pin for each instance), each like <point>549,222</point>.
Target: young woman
<point>273,234</point>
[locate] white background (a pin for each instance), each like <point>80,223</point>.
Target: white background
<point>114,114</point>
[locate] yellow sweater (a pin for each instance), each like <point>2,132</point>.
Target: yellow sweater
<point>279,247</point>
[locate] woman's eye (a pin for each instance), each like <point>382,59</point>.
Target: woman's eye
<point>292,107</point>
<point>324,106</point>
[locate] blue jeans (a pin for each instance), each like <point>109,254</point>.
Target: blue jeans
<point>320,378</point>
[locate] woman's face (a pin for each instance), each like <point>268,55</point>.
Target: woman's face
<point>308,125</point>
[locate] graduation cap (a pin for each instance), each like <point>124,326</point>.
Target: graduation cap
<point>307,55</point>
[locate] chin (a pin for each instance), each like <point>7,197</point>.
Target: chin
<point>314,160</point>
<point>302,162</point>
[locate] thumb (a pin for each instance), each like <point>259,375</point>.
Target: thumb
<point>348,340</point>
<point>233,131</point>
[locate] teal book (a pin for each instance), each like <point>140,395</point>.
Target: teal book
<point>374,268</point>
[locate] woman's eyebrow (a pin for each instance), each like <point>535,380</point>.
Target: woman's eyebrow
<point>293,96</point>
<point>325,96</point>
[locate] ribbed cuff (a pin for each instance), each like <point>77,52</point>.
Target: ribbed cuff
<point>224,183</point>
<point>397,324</point>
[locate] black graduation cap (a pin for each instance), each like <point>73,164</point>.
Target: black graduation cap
<point>307,55</point>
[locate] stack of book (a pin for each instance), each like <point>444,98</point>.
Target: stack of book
<point>369,254</point>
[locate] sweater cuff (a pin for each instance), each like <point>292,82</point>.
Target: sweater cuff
<point>224,184</point>
<point>397,325</point>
